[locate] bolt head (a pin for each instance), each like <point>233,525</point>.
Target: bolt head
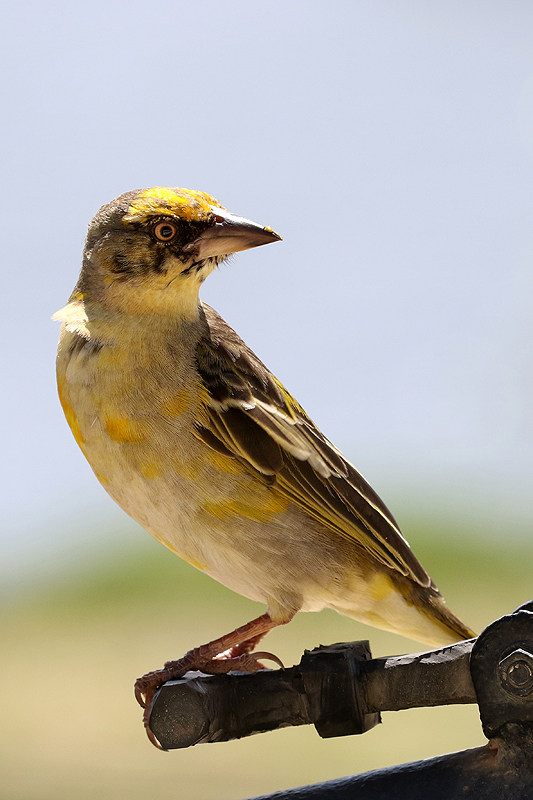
<point>516,672</point>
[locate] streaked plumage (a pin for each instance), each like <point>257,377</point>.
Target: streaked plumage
<point>193,436</point>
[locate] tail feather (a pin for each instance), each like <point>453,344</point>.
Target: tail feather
<point>450,621</point>
<point>402,606</point>
<point>430,604</point>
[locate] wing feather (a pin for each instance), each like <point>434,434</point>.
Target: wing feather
<point>252,418</point>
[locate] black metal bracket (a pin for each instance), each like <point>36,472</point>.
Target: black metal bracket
<point>502,671</point>
<point>339,689</point>
<point>342,690</point>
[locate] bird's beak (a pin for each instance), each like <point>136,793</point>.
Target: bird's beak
<point>229,234</point>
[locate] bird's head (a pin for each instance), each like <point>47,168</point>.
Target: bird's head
<point>150,250</point>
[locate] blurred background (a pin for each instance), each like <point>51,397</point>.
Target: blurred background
<point>391,145</point>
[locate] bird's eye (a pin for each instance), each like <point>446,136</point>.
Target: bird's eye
<point>219,219</point>
<point>165,231</point>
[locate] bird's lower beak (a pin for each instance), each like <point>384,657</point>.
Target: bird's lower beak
<point>230,234</point>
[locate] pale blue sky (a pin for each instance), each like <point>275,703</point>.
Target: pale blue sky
<point>391,145</point>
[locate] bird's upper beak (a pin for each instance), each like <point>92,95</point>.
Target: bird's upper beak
<point>230,234</point>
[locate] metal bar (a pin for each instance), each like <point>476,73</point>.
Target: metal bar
<point>337,688</point>
<point>499,771</point>
<point>341,690</point>
<point>433,678</point>
<point>216,708</point>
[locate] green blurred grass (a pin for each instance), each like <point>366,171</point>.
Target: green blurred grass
<point>72,650</point>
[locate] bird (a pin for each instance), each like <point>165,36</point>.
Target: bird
<point>196,439</point>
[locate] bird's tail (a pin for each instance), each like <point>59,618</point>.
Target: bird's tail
<point>400,605</point>
<point>437,625</point>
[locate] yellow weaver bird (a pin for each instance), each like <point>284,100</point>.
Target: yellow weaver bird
<point>196,440</point>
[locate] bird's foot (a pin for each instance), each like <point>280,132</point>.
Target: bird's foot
<point>230,652</point>
<point>146,687</point>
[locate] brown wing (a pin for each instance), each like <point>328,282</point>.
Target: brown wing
<point>252,417</point>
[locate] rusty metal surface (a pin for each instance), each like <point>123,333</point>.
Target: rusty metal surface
<point>433,678</point>
<point>502,671</point>
<point>341,690</point>
<point>499,771</point>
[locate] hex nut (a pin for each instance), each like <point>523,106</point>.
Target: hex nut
<point>516,672</point>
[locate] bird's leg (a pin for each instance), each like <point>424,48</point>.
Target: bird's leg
<point>243,647</point>
<point>235,649</point>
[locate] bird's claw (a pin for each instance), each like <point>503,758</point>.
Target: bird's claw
<point>146,687</point>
